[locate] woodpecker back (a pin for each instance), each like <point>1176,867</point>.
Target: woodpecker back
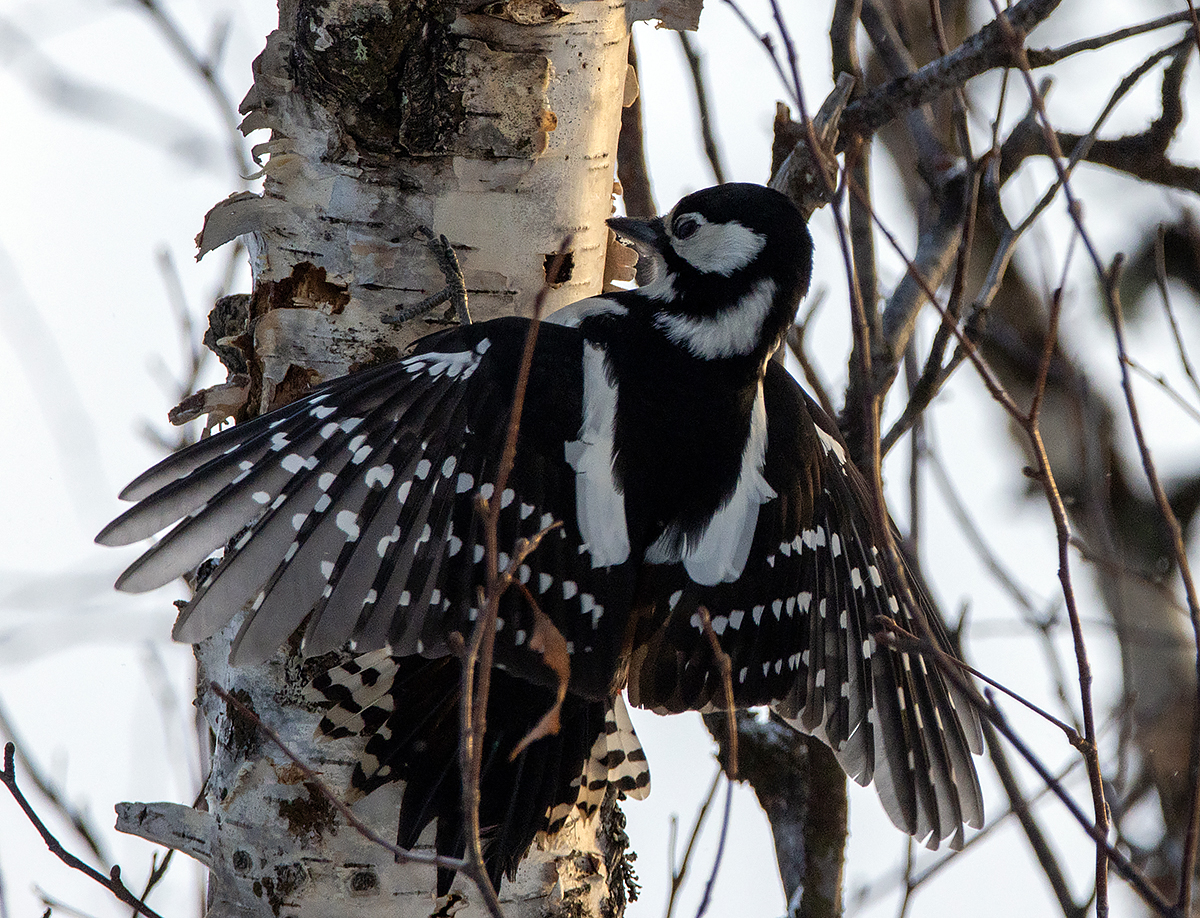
<point>686,470</point>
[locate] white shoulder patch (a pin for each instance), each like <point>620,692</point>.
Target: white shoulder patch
<point>574,313</point>
<point>451,364</point>
<point>730,332</point>
<point>599,504</point>
<point>719,554</point>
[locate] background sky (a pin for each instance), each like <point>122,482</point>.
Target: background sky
<point>112,153</point>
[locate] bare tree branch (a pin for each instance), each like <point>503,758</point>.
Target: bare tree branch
<point>112,882</point>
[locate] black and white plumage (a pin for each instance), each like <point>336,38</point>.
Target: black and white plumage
<point>408,709</point>
<point>687,470</point>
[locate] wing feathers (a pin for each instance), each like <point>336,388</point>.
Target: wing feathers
<point>799,627</point>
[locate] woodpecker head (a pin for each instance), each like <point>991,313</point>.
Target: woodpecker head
<point>732,263</point>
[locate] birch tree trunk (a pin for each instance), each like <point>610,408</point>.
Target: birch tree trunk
<point>496,127</point>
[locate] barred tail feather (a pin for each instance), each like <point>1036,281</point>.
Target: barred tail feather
<point>408,710</point>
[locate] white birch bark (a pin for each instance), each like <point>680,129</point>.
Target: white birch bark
<point>497,128</point>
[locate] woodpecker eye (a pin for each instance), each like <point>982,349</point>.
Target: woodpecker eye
<point>684,227</point>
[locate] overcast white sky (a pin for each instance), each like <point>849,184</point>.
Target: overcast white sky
<point>89,208</point>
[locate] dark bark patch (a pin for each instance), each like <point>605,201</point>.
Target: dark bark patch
<point>309,814</point>
<point>296,382</point>
<point>387,71</point>
<point>243,732</point>
<point>226,335</point>
<point>364,883</point>
<point>523,12</point>
<point>379,353</point>
<point>558,268</point>
<point>307,287</point>
<point>277,889</point>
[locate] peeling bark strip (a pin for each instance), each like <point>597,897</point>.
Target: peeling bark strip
<point>387,118</point>
<point>496,125</point>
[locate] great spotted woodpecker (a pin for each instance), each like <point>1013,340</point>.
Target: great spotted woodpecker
<point>687,471</point>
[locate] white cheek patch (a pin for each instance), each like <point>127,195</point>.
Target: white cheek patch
<point>719,248</point>
<point>731,332</point>
<point>599,505</point>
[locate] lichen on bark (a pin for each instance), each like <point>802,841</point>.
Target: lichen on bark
<point>387,69</point>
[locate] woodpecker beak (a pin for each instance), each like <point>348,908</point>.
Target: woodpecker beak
<point>644,234</point>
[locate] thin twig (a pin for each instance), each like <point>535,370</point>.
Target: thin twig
<point>401,854</point>
<point>696,66</point>
<point>796,344</point>
<point>76,817</point>
<point>934,376</point>
<point>1188,865</point>
<point>1167,389</point>
<point>706,899</point>
<point>206,70</point>
<point>478,654</point>
<point>678,875</point>
<point>1047,56</point>
<point>975,537</point>
<point>977,838</point>
<point>768,46</point>
<point>1123,866</point>
<point>112,882</point>
<point>725,673</point>
<point>986,706</point>
<point>909,886</point>
<point>1045,476</point>
<point>158,870</point>
<point>913,643</point>
<point>1022,808</point>
<point>1160,277</point>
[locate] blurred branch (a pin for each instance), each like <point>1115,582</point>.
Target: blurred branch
<point>696,67</point>
<point>986,50</point>
<point>903,307</point>
<point>1188,865</point>
<point>1143,156</point>
<point>631,153</point>
<point>706,899</point>
<point>1037,838</point>
<point>206,69</point>
<point>1160,277</point>
<point>799,349</point>
<point>112,882</point>
<point>678,874</point>
<point>913,881</point>
<point>899,63</point>
<point>127,114</point>
<point>78,820</point>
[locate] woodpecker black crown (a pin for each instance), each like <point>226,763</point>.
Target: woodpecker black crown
<point>683,468</point>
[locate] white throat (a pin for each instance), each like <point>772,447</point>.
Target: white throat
<point>732,332</point>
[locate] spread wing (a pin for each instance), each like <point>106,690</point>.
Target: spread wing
<point>354,507</point>
<point>799,627</point>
